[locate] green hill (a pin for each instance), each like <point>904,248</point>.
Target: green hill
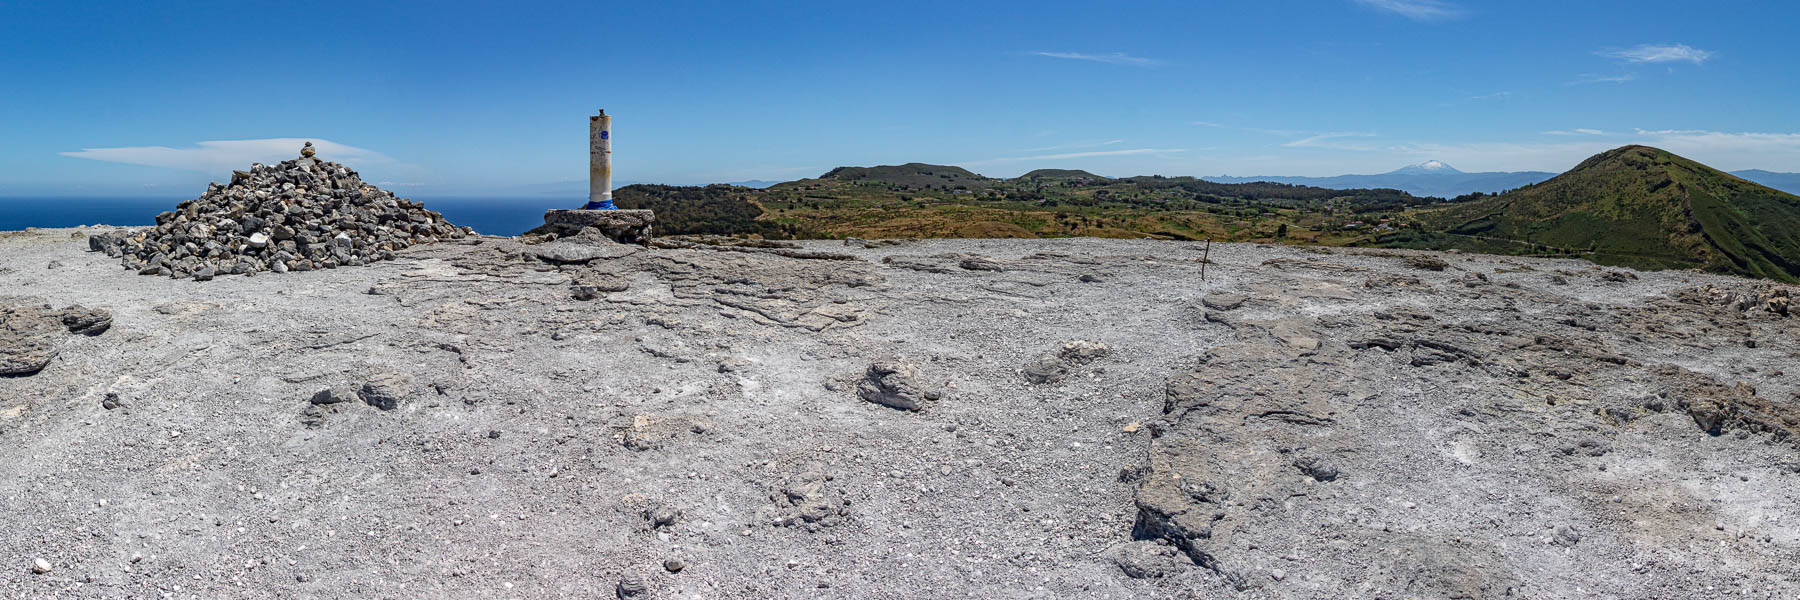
<point>911,175</point>
<point>1643,207</point>
<point>1061,174</point>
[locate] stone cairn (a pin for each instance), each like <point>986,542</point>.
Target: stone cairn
<point>300,215</point>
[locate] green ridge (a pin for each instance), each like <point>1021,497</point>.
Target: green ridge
<point>1643,207</point>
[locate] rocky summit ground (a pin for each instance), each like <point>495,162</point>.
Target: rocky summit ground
<point>1077,418</point>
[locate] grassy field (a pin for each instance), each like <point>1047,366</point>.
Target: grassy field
<point>1042,207</point>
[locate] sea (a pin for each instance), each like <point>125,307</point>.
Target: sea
<point>493,216</point>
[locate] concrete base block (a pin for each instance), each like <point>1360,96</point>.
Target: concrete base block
<point>624,226</point>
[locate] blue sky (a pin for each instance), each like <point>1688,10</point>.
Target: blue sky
<point>450,98</point>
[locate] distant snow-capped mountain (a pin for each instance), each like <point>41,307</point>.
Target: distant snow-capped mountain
<point>1429,178</point>
<point>1430,167</point>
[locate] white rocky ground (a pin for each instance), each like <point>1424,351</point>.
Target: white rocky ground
<point>1301,424</point>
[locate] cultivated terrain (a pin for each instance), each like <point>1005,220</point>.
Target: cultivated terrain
<point>1071,418</point>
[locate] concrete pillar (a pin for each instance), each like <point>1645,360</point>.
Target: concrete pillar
<point>599,161</point>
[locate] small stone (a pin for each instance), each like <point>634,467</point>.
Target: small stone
<point>892,383</point>
<point>334,395</point>
<point>1317,468</point>
<point>632,585</point>
<point>1277,574</point>
<point>112,401</point>
<point>493,434</point>
<point>674,565</point>
<point>40,566</point>
<point>1564,535</point>
<point>662,516</point>
<point>1054,366</point>
<point>384,390</point>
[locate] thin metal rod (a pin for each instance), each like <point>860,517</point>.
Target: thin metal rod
<point>1205,257</point>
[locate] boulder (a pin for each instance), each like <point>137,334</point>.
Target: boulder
<point>1056,365</point>
<point>892,383</point>
<point>85,321</point>
<point>386,389</point>
<point>31,335</point>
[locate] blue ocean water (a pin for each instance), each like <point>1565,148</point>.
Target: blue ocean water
<point>494,216</point>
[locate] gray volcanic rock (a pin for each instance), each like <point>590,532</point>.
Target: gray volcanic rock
<point>335,395</point>
<point>1602,437</point>
<point>298,215</point>
<point>632,585</point>
<point>386,389</point>
<point>85,321</point>
<point>894,384</point>
<point>1052,367</point>
<point>32,334</point>
<point>809,501</point>
<point>626,226</point>
<point>28,340</point>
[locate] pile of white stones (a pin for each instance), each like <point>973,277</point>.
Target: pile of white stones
<point>300,215</point>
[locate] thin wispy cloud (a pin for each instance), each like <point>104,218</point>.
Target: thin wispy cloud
<point>218,157</point>
<point>1575,132</point>
<point>1116,58</point>
<point>1326,140</point>
<point>1659,53</point>
<point>1305,139</point>
<point>1069,155</point>
<point>1675,132</point>
<point>1073,145</point>
<point>1417,10</point>
<point>1493,96</point>
<point>1586,78</point>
